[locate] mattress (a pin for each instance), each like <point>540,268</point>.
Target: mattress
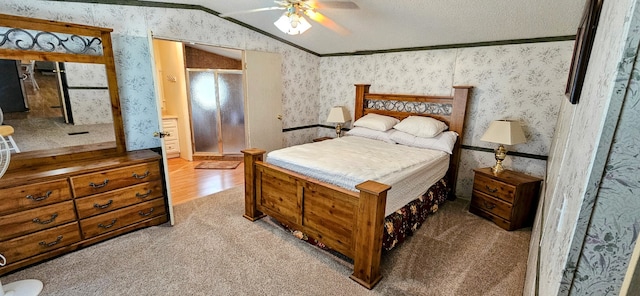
<point>349,161</point>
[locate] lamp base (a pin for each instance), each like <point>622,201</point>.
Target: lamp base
<point>501,153</point>
<point>338,130</point>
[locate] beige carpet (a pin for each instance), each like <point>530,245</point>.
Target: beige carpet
<point>214,251</point>
<point>218,164</point>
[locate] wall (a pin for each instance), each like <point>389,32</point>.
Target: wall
<point>586,171</point>
<point>169,60</point>
<point>89,106</point>
<point>524,82</point>
<point>201,59</point>
<point>133,61</point>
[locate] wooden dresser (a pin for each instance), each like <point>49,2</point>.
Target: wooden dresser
<point>509,199</point>
<point>53,210</point>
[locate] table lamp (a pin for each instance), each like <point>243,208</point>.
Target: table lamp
<point>503,132</point>
<point>338,115</point>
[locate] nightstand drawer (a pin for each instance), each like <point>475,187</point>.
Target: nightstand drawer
<point>495,188</point>
<point>491,205</point>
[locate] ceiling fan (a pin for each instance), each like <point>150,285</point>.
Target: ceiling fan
<point>293,22</point>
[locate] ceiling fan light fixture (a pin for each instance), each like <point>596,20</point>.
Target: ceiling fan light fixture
<point>292,23</point>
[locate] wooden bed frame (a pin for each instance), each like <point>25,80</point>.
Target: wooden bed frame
<point>351,223</point>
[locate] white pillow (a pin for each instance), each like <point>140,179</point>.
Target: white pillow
<point>442,142</point>
<point>371,134</point>
<point>419,126</point>
<point>376,122</point>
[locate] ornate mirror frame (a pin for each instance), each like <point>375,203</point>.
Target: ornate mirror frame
<point>24,38</point>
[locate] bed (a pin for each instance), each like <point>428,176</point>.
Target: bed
<point>349,221</point>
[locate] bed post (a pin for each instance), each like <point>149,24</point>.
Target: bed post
<point>361,90</point>
<point>368,233</point>
<point>460,97</point>
<point>250,158</point>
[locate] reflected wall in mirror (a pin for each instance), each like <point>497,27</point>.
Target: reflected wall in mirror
<point>55,105</point>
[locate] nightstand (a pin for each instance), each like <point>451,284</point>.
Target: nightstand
<point>509,199</point>
<point>322,139</point>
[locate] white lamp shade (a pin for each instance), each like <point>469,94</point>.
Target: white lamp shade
<point>292,24</point>
<point>504,132</point>
<point>338,115</point>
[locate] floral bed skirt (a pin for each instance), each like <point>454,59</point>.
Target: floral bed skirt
<point>403,222</point>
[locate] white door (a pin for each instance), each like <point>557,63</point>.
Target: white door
<point>158,91</point>
<point>263,107</point>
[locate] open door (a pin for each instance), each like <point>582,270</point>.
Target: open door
<point>160,133</point>
<point>263,107</point>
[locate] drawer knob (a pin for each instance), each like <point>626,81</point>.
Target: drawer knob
<point>143,214</point>
<point>46,244</point>
<point>146,174</point>
<point>104,206</point>
<point>96,186</point>
<point>113,222</point>
<point>40,198</point>
<point>53,218</point>
<point>489,205</point>
<point>142,196</point>
<point>492,190</point>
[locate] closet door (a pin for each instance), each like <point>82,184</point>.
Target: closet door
<point>204,111</point>
<point>263,74</point>
<point>231,95</point>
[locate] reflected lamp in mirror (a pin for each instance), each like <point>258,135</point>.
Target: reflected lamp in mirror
<point>503,132</point>
<point>338,115</point>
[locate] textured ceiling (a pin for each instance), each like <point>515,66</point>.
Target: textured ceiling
<point>392,24</point>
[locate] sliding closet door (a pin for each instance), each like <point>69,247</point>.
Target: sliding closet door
<point>204,111</point>
<point>230,92</point>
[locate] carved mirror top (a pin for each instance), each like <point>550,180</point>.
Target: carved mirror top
<point>85,50</point>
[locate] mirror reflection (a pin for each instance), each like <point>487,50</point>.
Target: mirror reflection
<point>54,105</point>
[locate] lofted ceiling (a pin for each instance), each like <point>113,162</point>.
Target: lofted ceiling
<point>395,24</point>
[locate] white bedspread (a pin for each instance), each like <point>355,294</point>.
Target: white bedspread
<point>349,161</point>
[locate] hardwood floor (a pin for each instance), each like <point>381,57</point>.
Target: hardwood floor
<point>189,183</point>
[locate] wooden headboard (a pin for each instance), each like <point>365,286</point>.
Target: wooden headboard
<point>449,109</point>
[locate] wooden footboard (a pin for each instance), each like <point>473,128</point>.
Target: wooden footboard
<point>348,222</point>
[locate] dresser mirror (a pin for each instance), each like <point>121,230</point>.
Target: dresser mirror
<point>58,91</point>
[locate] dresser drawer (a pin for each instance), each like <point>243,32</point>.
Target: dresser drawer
<point>43,241</point>
<point>88,184</point>
<point>172,146</point>
<point>173,133</point>
<point>491,205</point>
<point>33,195</point>
<point>119,198</point>
<point>170,122</point>
<point>495,188</point>
<point>28,221</point>
<point>120,218</point>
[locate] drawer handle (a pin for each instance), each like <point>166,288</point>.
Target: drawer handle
<point>53,218</point>
<point>104,206</point>
<point>492,190</point>
<point>113,222</point>
<point>489,205</point>
<point>3,261</point>
<point>140,177</point>
<point>46,244</point>
<point>142,196</point>
<point>143,214</point>
<point>96,186</point>
<point>40,198</point>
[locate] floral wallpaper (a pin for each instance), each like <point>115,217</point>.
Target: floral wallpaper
<point>590,227</point>
<point>89,106</point>
<point>524,82</point>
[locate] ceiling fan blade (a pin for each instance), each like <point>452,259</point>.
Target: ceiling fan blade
<point>327,22</point>
<point>251,10</point>
<point>335,4</point>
